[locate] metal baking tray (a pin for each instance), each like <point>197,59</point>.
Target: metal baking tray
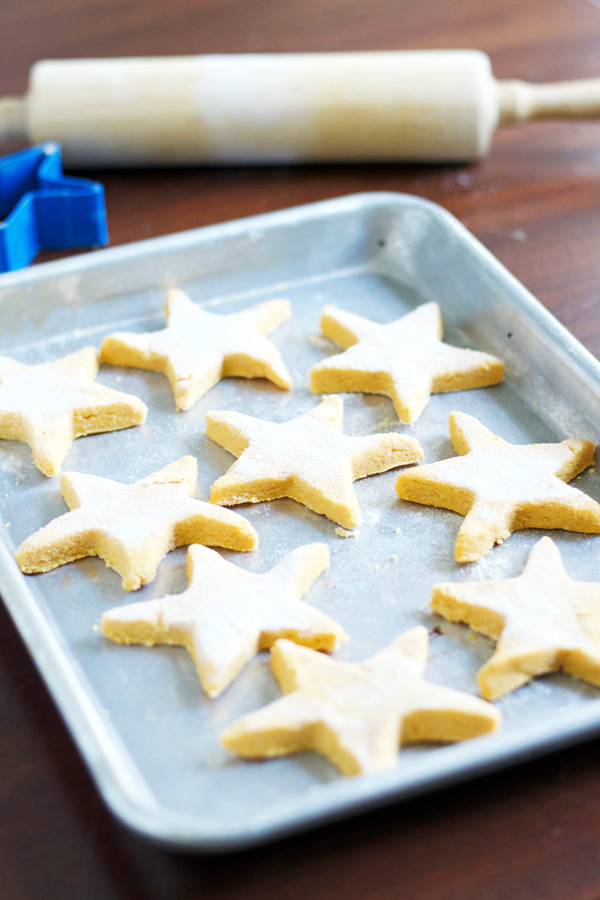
<point>147,733</point>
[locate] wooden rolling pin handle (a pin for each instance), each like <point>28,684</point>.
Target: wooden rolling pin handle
<point>13,119</point>
<point>520,101</point>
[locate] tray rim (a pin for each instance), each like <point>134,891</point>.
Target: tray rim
<point>115,775</point>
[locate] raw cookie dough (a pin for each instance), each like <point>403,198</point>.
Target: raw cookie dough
<point>405,360</point>
<point>357,714</point>
<point>501,487</point>
<point>49,405</point>
<point>543,622</point>
<point>307,459</point>
<point>132,526</point>
<point>228,614</point>
<point>198,348</point>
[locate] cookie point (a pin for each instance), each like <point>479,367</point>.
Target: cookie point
<point>249,539</point>
<point>173,296</point>
<point>186,467</point>
<point>457,416</point>
<point>350,521</point>
<point>333,400</point>
<point>133,582</point>
<point>413,642</point>
<point>466,555</point>
<point>87,354</point>
<point>49,469</point>
<point>140,411</point>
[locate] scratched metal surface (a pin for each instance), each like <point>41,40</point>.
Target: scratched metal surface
<point>146,731</point>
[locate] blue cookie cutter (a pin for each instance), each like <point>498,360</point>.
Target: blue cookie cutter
<point>42,209</point>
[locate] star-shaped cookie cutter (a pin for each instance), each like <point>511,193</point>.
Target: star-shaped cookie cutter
<point>42,209</point>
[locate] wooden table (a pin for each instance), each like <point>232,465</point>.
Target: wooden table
<point>530,832</point>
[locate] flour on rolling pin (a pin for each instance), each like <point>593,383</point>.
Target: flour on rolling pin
<point>430,105</point>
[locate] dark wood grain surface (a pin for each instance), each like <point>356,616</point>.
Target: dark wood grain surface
<point>530,832</point>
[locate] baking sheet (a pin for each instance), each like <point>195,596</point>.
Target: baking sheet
<point>148,734</point>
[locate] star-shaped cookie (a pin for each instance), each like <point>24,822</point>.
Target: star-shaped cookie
<point>49,405</point>
<point>307,459</point>
<point>501,487</point>
<point>228,614</point>
<point>543,622</point>
<point>198,348</point>
<point>405,360</point>
<point>358,714</point>
<point>132,526</point>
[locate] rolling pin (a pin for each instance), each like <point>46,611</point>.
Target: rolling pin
<point>424,105</point>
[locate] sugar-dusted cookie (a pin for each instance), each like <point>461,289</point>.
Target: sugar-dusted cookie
<point>358,714</point>
<point>49,405</point>
<point>228,614</point>
<point>198,348</point>
<point>405,359</point>
<point>307,459</point>
<point>543,622</point>
<point>132,526</point>
<point>501,487</point>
